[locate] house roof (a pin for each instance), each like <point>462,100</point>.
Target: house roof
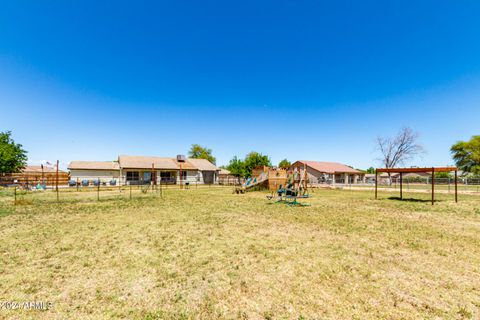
<point>93,165</point>
<point>35,169</point>
<point>224,172</point>
<point>203,164</point>
<point>142,162</point>
<point>329,167</point>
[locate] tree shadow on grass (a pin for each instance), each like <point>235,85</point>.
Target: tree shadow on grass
<point>412,199</point>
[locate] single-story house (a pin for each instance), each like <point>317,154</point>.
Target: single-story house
<point>146,169</point>
<point>329,172</point>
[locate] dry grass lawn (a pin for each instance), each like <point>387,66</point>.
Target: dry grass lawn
<point>207,253</point>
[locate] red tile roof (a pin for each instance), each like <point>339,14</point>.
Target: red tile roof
<point>329,167</point>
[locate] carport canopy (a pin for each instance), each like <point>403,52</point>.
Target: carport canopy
<point>431,170</point>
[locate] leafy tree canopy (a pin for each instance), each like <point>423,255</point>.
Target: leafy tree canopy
<point>370,170</point>
<point>255,159</point>
<point>284,164</point>
<point>12,156</point>
<point>236,167</point>
<point>442,175</point>
<point>243,168</point>
<point>466,155</point>
<point>199,152</point>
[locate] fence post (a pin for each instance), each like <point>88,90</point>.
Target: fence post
<point>98,189</point>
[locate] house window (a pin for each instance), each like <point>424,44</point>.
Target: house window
<point>166,174</point>
<point>184,175</point>
<point>133,176</point>
<point>167,177</point>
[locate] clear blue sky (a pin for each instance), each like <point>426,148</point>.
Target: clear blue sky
<point>317,80</point>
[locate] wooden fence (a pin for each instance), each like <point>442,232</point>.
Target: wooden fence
<point>29,179</point>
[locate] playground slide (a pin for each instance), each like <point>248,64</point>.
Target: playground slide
<point>252,182</point>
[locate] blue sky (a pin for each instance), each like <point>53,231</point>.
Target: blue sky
<point>316,80</point>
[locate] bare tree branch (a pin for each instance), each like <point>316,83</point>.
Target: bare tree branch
<point>399,149</point>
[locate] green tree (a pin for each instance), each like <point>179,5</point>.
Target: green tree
<point>199,152</point>
<point>466,155</point>
<point>236,167</point>
<point>255,159</point>
<point>284,164</point>
<point>370,170</point>
<point>12,156</point>
<point>442,175</point>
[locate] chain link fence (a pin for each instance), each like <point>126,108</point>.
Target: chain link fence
<point>470,185</point>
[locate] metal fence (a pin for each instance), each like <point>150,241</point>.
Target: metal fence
<point>37,182</point>
<point>409,183</point>
<point>17,195</point>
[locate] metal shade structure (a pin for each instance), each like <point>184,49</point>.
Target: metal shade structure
<point>431,170</point>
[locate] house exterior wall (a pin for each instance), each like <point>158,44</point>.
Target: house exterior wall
<point>144,174</point>
<point>315,176</point>
<point>90,175</point>
<point>192,176</point>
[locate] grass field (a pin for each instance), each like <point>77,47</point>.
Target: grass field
<point>207,253</point>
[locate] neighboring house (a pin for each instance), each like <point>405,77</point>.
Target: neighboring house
<point>145,169</point>
<point>226,178</point>
<point>382,178</point>
<point>224,173</point>
<point>329,172</point>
